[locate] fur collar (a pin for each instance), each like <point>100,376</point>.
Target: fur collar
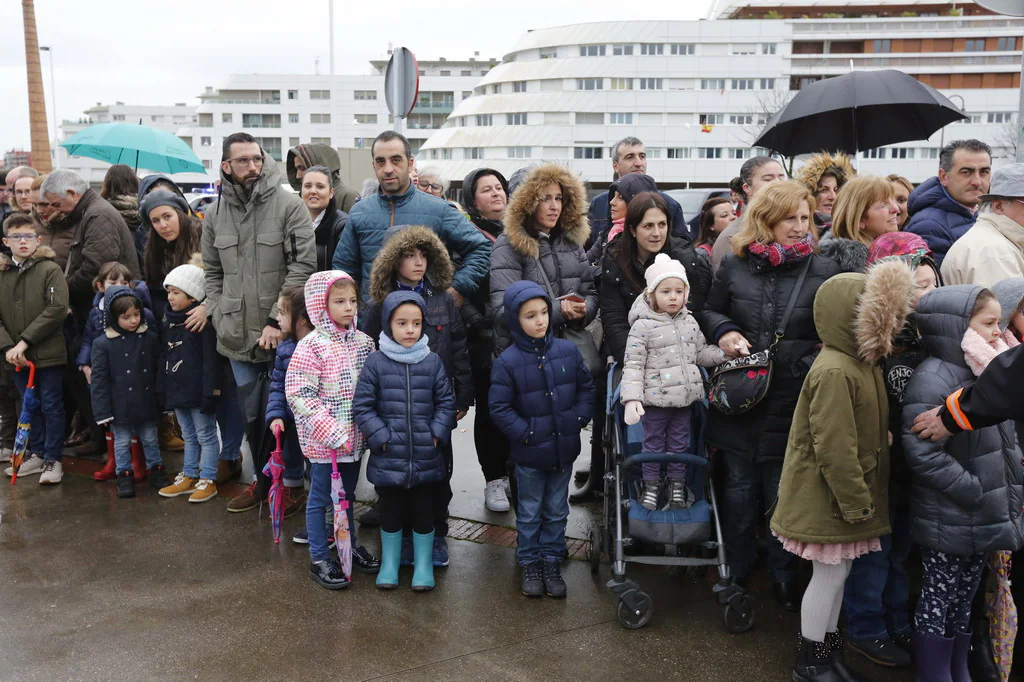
<point>883,308</point>
<point>852,256</point>
<point>42,253</point>
<point>573,224</point>
<point>112,333</point>
<point>385,265</point>
<point>978,353</point>
<point>810,173</point>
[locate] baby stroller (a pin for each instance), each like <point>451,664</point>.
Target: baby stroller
<point>684,534</point>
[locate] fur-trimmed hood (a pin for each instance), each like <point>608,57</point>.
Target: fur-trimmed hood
<point>810,173</point>
<point>885,304</point>
<point>42,253</point>
<point>128,206</point>
<point>852,256</point>
<point>573,223</point>
<point>397,241</point>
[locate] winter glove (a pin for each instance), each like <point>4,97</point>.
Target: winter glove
<point>634,410</point>
<point>210,404</point>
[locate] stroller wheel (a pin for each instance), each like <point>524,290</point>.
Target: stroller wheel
<point>594,550</point>
<point>738,613</point>
<point>634,609</point>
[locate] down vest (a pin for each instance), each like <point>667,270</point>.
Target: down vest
<point>541,392</point>
<point>404,406</point>
<point>966,495</point>
<point>750,297</point>
<point>662,355</point>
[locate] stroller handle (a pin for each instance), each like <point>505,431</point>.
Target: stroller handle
<point>669,457</point>
<point>31,373</point>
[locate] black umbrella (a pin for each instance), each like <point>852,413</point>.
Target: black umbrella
<point>858,110</point>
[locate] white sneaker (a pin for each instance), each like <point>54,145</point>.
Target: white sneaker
<point>32,465</point>
<point>507,486</point>
<point>494,496</point>
<point>53,472</point>
<point>5,455</point>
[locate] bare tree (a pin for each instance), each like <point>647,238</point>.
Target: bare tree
<point>769,103</point>
<point>1006,138</point>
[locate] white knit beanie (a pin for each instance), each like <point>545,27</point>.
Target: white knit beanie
<point>663,268</point>
<point>190,279</point>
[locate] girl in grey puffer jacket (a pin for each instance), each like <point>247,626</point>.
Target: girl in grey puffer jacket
<point>660,379</point>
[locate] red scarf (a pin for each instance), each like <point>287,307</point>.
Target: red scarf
<point>776,254</point>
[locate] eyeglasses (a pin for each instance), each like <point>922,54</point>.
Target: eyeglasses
<point>22,192</point>
<point>21,237</point>
<point>246,161</point>
<point>429,185</point>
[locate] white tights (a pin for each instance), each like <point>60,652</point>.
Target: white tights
<point>819,610</point>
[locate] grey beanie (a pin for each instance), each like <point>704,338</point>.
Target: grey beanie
<point>1009,293</point>
<point>161,197</point>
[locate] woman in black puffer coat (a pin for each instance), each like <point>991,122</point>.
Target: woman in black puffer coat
<point>745,308</point>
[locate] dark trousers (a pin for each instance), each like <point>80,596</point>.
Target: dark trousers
<point>414,505</point>
<point>748,486</point>
<point>47,435</point>
<point>492,446</point>
<point>877,593</point>
<point>441,495</point>
<point>8,411</point>
<point>78,391</point>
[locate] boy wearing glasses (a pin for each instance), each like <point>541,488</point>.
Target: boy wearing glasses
<point>33,307</point>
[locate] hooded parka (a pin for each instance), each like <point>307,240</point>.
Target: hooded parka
<point>321,155</point>
<point>33,307</point>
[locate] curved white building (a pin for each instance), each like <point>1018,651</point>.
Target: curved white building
<point>698,92</point>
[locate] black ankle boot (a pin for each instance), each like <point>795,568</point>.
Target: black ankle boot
<point>834,642</point>
<point>126,484</point>
<point>814,663</point>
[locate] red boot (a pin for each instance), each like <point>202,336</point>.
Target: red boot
<point>138,461</point>
<point>107,473</point>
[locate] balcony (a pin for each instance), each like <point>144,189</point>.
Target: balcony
<point>896,59</point>
<point>929,25</point>
<point>445,107</point>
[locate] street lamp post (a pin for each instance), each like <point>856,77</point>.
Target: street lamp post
<point>53,103</point>
<point>942,133</point>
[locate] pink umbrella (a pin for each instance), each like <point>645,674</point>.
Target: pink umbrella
<point>274,470</point>
<point>341,536</point>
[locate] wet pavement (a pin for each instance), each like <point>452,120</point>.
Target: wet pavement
<point>97,588</point>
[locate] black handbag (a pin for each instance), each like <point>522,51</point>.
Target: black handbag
<point>740,384</point>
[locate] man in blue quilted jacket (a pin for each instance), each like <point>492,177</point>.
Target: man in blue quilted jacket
<point>398,202</point>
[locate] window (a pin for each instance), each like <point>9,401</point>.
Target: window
<point>446,154</point>
<point>929,153</point>
<point>484,119</point>
<point>588,153</point>
<point>678,153</point>
<point>515,119</point>
<point>272,145</point>
<point>519,152</point>
<point>118,117</point>
<point>741,120</point>
<point>742,83</point>
<point>293,142</point>
<point>653,153</point>
<point>293,94</point>
<point>225,118</point>
<point>767,48</point>
<point>590,84</point>
<point>876,153</point>
<point>971,118</point>
<point>465,72</point>
<point>977,45</point>
<point>650,83</point>
<point>519,86</point>
<point>738,154</point>
<point>361,118</point>
<point>589,119</point>
<point>549,53</point>
<point>709,152</point>
<point>592,50</point>
<point>466,94</point>
<point>712,84</point>
<point>496,88</point>
<point>446,72</point>
<point>205,141</point>
<point>622,84</point>
<point>620,118</point>
<point>319,94</point>
<point>362,142</point>
<point>744,49</point>
<point>902,153</point>
<point>683,48</point>
<point>1006,44</point>
<point>261,120</point>
<point>473,153</point>
<point>881,46</point>
<point>423,72</point>
<point>206,164</point>
<point>293,118</point>
<point>326,118</point>
<point>364,95</point>
<point>652,49</point>
<point>711,119</point>
<point>619,50</point>
<point>1000,117</point>
<point>767,84</point>
<point>156,119</point>
<point>433,154</point>
<point>320,140</point>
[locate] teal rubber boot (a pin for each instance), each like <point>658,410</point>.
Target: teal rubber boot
<point>390,552</point>
<point>422,562</point>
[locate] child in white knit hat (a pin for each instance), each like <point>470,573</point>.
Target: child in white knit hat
<point>660,378</point>
<point>189,380</point>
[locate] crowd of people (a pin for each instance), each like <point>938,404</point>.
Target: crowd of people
<point>374,322</point>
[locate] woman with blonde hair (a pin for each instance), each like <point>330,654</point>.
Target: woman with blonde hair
<point>865,210</point>
<point>903,188</point>
<point>774,261</point>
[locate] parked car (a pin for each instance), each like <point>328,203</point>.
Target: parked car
<point>691,200</point>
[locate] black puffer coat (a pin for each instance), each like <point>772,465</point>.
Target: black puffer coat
<point>616,295</point>
<point>966,496</point>
<point>190,367</point>
<point>328,234</point>
<point>750,297</point>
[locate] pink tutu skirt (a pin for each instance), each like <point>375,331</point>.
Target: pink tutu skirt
<point>831,553</point>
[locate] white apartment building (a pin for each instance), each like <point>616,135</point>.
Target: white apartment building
<point>698,92</point>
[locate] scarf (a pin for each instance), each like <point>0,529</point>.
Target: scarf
<point>978,352</point>
<point>399,353</point>
<point>617,227</point>
<point>776,254</point>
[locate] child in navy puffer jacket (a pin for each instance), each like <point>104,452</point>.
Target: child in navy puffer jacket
<point>405,406</point>
<point>110,274</point>
<point>541,397</point>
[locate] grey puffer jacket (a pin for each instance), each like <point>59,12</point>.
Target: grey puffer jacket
<point>252,247</point>
<point>966,493</point>
<point>519,251</point>
<point>662,355</point>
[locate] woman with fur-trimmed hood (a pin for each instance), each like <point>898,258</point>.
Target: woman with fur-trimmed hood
<point>824,175</point>
<point>545,230</point>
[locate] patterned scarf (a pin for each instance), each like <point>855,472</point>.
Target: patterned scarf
<point>776,254</point>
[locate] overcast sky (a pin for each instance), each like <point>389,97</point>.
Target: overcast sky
<point>166,52</point>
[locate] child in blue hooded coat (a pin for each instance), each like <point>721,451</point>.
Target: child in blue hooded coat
<point>405,407</point>
<point>541,397</point>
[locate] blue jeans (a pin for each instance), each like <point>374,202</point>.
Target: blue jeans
<point>877,593</point>
<point>199,431</point>
<point>230,419</point>
<point>319,503</point>
<point>542,513</point>
<point>123,444</point>
<point>47,435</point>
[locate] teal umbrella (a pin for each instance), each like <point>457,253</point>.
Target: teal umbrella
<point>135,145</point>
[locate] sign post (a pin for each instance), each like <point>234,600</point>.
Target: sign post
<point>402,84</point>
<point>1013,8</point>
